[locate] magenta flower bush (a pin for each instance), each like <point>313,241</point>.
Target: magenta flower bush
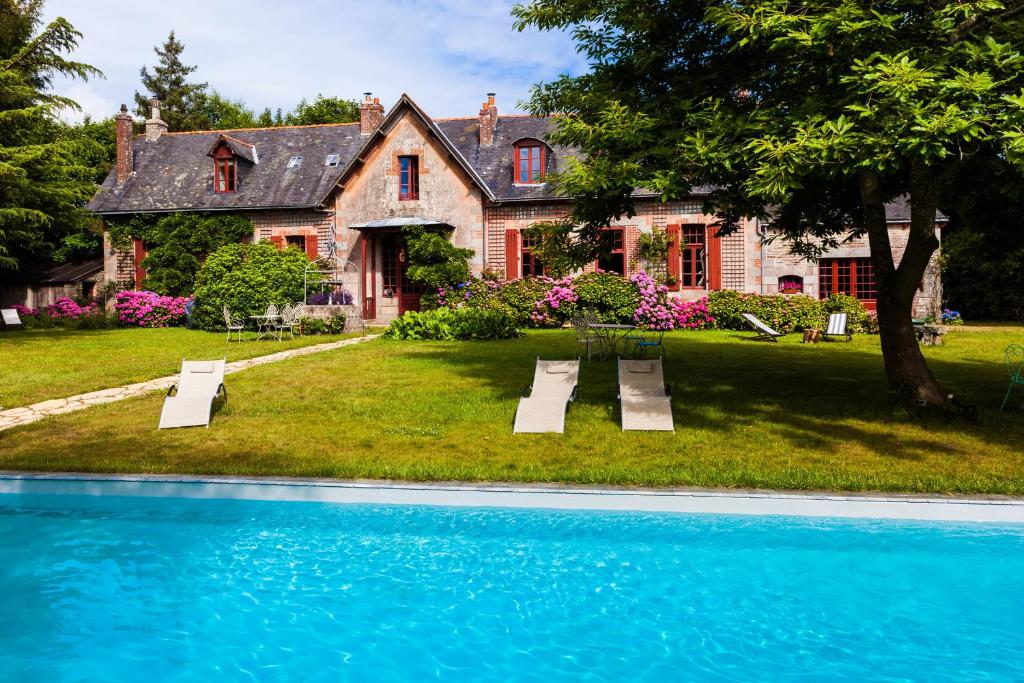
<point>555,304</point>
<point>691,315</point>
<point>149,309</point>
<point>26,312</point>
<point>659,312</point>
<point>65,308</point>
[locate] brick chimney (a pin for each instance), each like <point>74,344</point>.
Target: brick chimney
<point>125,153</point>
<point>488,120</point>
<point>371,114</point>
<point>155,126</point>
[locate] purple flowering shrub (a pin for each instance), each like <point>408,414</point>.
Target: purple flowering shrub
<point>65,308</point>
<point>26,312</point>
<point>149,309</point>
<point>659,312</point>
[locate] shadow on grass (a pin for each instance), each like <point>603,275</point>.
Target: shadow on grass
<point>815,397</point>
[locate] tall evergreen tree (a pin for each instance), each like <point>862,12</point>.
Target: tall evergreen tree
<point>44,183</point>
<point>183,103</point>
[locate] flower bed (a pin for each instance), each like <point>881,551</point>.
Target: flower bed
<point>149,309</point>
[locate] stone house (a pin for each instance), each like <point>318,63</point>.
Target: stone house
<point>343,192</point>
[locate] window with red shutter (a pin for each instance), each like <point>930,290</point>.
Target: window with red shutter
<point>511,254</point>
<point>674,257</point>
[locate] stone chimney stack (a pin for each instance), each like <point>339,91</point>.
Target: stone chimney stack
<point>371,114</point>
<point>155,126</point>
<point>125,141</point>
<point>488,120</point>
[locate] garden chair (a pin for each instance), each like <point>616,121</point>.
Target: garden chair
<point>286,322</point>
<point>581,323</point>
<point>644,398</point>
<point>234,324</point>
<point>189,403</point>
<point>11,318</point>
<point>1015,364</point>
<point>544,403</point>
<point>838,326</point>
<point>764,333</point>
<point>649,339</point>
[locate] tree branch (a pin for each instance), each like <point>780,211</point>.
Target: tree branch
<point>968,25</point>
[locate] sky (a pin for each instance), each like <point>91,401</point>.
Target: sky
<point>446,54</point>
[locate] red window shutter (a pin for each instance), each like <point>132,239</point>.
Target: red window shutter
<point>674,257</point>
<point>277,241</point>
<point>311,247</point>
<point>714,260</point>
<point>140,254</point>
<point>511,254</point>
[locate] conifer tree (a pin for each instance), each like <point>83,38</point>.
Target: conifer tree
<point>183,103</point>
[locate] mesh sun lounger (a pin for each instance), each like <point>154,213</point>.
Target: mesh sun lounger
<point>190,402</point>
<point>838,326</point>
<point>11,318</point>
<point>543,405</point>
<point>763,331</point>
<point>645,399</point>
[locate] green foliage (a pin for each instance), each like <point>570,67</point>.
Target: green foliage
<point>218,112</point>
<point>323,110</point>
<point>783,313</point>
<point>445,324</point>
<point>44,177</point>
<point>558,247</point>
<point>247,278</point>
<point>434,261</point>
<point>177,243</point>
<point>612,297</point>
<point>182,103</point>
<point>334,324</point>
<point>652,249</point>
<point>857,315</point>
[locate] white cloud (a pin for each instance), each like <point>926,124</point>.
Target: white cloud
<point>445,54</point>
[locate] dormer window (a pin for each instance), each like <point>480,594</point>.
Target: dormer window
<point>225,177</point>
<point>530,162</point>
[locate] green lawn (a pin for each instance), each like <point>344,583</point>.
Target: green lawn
<point>748,414</point>
<point>54,363</point>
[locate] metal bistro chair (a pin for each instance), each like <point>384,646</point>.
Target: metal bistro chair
<point>286,323</point>
<point>581,323</point>
<point>650,339</point>
<point>1015,365</point>
<point>234,324</point>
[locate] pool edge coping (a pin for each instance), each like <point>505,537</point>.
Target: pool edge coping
<point>871,505</point>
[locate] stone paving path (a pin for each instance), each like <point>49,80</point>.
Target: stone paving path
<point>13,417</point>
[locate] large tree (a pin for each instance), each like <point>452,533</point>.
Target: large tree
<point>823,110</point>
<point>44,181</point>
<point>183,103</point>
<point>323,110</point>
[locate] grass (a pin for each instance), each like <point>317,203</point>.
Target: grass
<point>55,363</point>
<point>782,416</point>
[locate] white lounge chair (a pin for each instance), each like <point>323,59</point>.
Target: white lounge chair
<point>11,318</point>
<point>838,326</point>
<point>543,405</point>
<point>763,331</point>
<point>190,402</point>
<point>645,399</point>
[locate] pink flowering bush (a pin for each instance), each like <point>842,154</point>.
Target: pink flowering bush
<point>691,315</point>
<point>149,309</point>
<point>26,312</point>
<point>69,309</point>
<point>659,312</point>
<point>556,305</point>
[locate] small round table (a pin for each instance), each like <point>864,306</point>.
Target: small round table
<point>609,334</point>
<point>264,325</point>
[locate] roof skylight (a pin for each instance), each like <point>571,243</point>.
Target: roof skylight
<point>332,160</point>
<point>294,162</point>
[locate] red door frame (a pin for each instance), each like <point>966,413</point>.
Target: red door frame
<point>714,251</point>
<point>833,265</point>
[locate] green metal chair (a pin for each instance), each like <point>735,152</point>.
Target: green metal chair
<point>1015,364</point>
<point>652,339</point>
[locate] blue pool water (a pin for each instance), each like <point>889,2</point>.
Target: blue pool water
<point>170,589</point>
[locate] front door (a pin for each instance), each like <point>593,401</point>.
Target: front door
<point>395,263</point>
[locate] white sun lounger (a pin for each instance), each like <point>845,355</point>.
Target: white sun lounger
<point>543,405</point>
<point>763,331</point>
<point>838,326</point>
<point>645,399</point>
<point>11,318</point>
<point>190,402</point>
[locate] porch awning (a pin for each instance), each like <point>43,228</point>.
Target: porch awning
<point>399,222</point>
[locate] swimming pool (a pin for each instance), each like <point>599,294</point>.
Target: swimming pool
<point>115,588</point>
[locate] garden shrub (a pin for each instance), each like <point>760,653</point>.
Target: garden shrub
<point>857,315</point>
<point>333,324</point>
<point>611,296</point>
<point>177,244</point>
<point>434,261</point>
<point>149,309</point>
<point>453,324</point>
<point>66,313</point>
<point>784,313</point>
<point>247,278</point>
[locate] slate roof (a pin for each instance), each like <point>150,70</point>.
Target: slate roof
<point>53,273</point>
<point>174,172</point>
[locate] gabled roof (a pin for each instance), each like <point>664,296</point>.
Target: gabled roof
<point>49,273</point>
<point>404,104</point>
<point>174,173</point>
<point>239,148</point>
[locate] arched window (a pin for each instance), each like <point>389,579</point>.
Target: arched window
<point>791,284</point>
<point>530,162</point>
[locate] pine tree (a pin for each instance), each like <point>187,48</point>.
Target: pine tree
<point>43,183</point>
<point>183,103</point>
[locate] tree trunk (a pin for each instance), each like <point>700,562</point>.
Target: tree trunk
<point>905,368</point>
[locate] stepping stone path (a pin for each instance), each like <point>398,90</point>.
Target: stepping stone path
<point>13,417</point>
